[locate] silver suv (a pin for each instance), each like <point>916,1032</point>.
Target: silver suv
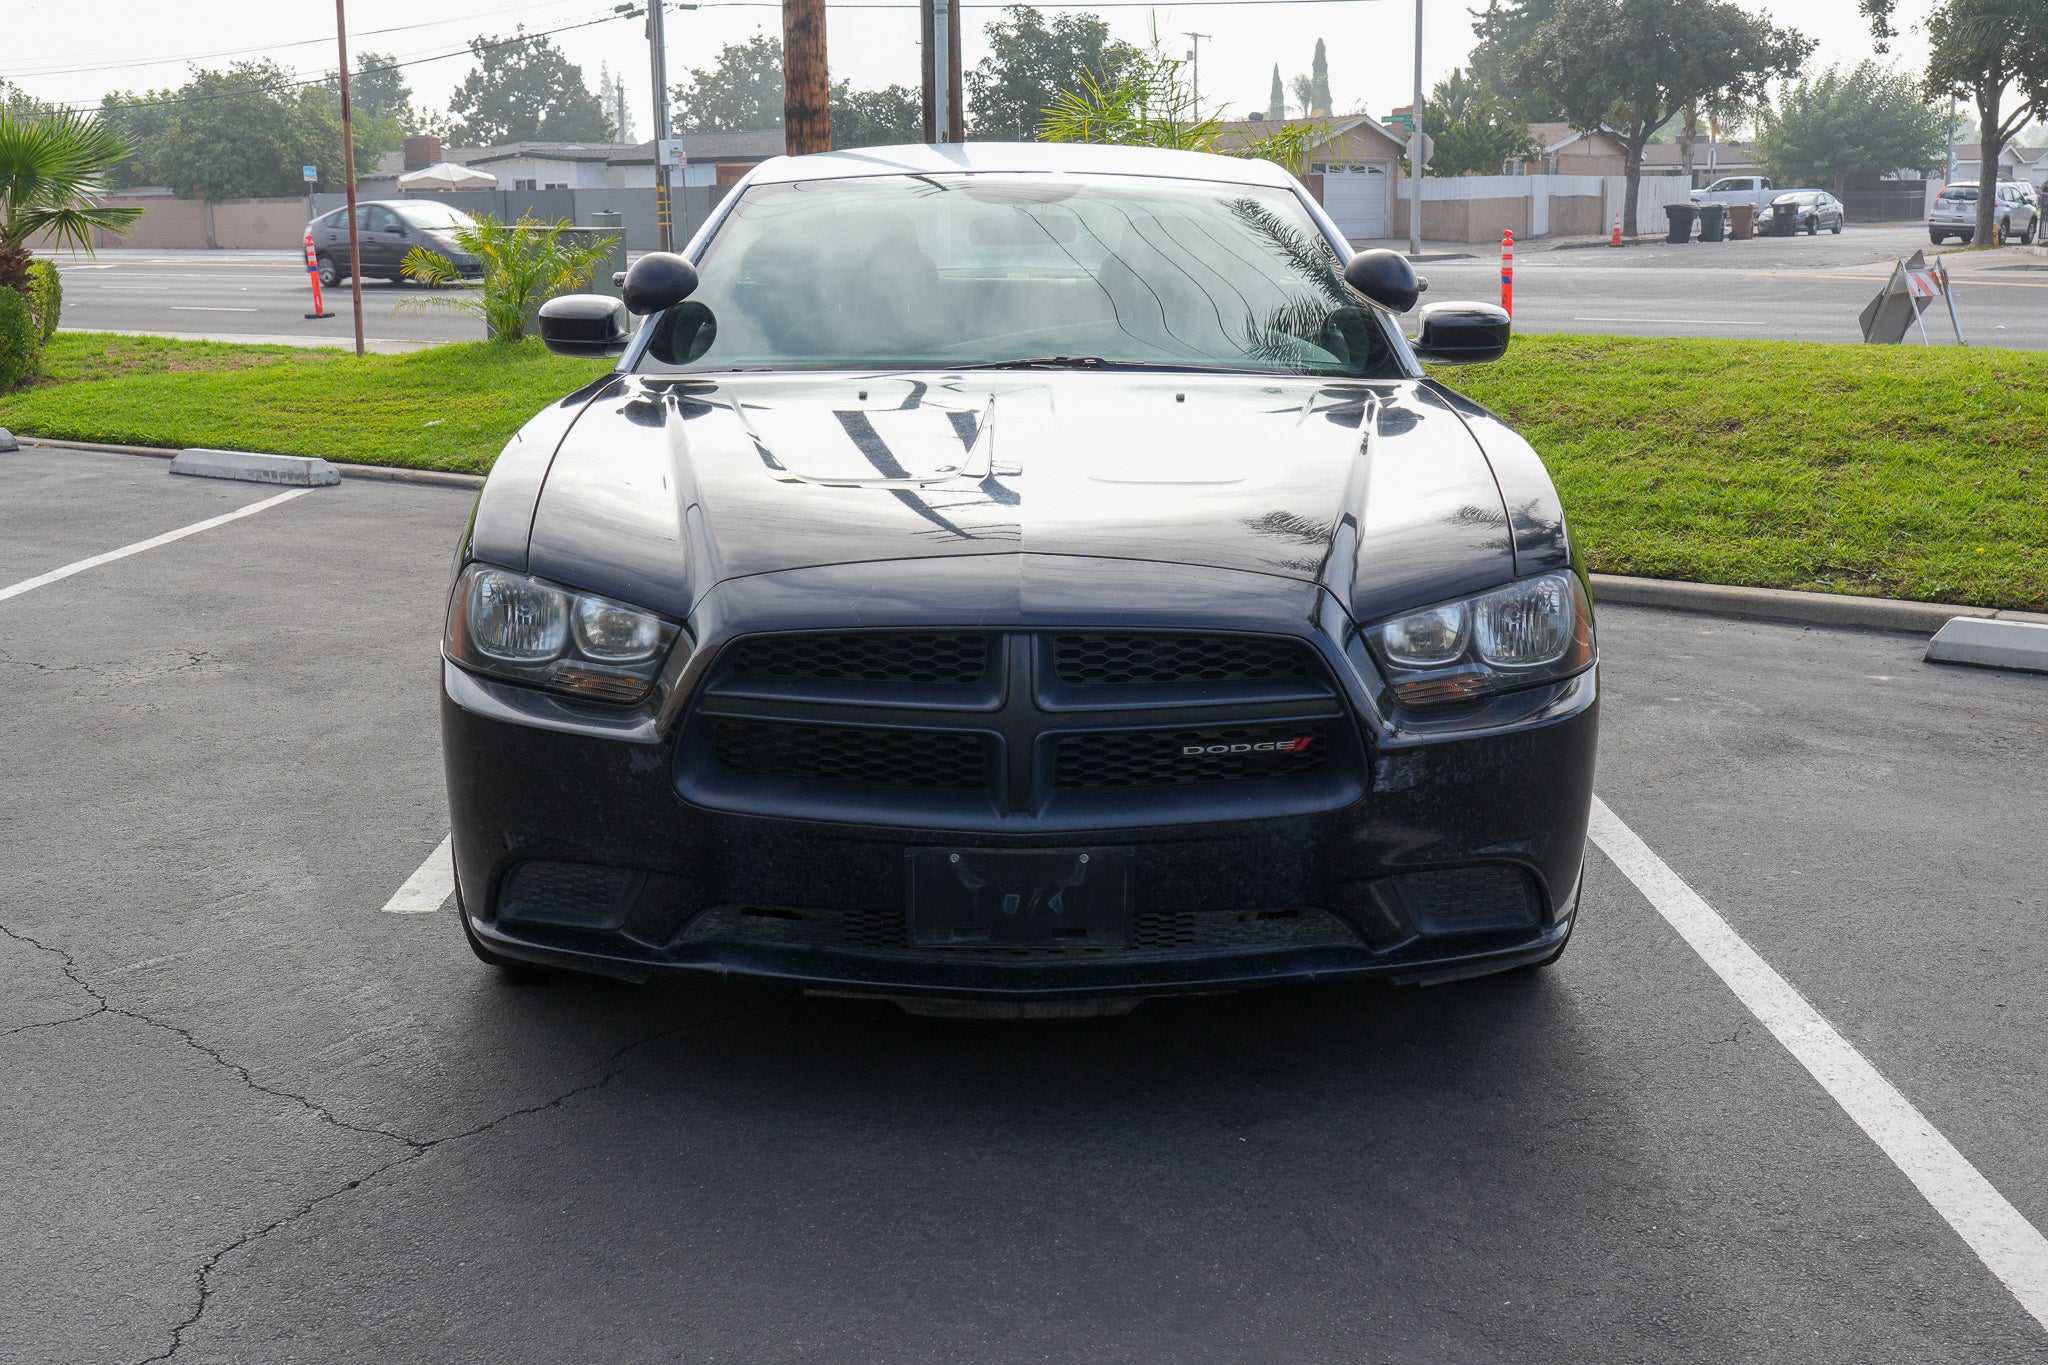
<point>2016,218</point>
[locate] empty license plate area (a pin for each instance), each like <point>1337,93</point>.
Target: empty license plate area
<point>1068,898</point>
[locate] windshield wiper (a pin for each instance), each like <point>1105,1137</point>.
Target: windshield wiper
<point>1042,362</point>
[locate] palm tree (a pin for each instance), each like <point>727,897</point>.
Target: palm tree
<point>525,264</point>
<point>51,168</point>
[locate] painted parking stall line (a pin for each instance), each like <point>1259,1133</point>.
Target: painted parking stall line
<point>430,885</point>
<point>80,566</point>
<point>2012,1248</point>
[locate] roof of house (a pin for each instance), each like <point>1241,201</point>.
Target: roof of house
<point>1237,132</point>
<point>1551,136</point>
<point>1728,154</point>
<point>754,145</point>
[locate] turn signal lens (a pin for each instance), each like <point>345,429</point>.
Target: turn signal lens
<point>516,619</point>
<point>1436,636</point>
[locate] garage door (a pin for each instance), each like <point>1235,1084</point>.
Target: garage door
<point>1357,199</point>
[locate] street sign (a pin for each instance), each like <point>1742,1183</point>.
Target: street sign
<point>310,173</point>
<point>672,154</point>
<point>1911,291</point>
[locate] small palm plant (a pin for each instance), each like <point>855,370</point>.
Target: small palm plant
<point>525,264</point>
<point>52,166</point>
<point>1149,105</point>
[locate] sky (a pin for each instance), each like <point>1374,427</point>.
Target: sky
<point>59,51</point>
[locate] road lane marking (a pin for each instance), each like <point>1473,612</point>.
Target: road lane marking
<point>195,308</point>
<point>2012,1248</point>
<point>1676,322</point>
<point>43,580</point>
<point>430,885</point>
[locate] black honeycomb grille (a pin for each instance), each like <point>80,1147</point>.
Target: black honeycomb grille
<point>1157,932</point>
<point>924,657</point>
<point>1170,758</point>
<point>1114,660</point>
<point>839,753</point>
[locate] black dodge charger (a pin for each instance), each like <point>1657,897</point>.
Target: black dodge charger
<point>1019,578</point>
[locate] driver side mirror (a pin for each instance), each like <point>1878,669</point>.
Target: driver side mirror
<point>1386,279</point>
<point>585,324</point>
<point>1462,334</point>
<point>657,281</point>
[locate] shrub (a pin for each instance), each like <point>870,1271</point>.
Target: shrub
<point>46,296</point>
<point>525,264</point>
<point>21,340</point>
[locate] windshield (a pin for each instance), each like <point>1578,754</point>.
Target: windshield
<point>429,215</point>
<point>947,271</point>
<point>1724,186</point>
<point>1961,194</point>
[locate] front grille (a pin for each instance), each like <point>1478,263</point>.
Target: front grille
<point>1162,933</point>
<point>844,753</point>
<point>1168,758</point>
<point>1116,660</point>
<point>922,658</point>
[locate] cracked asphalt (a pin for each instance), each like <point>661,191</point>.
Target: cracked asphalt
<point>247,1117</point>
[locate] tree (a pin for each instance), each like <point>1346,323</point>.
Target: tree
<point>1276,102</point>
<point>143,117</point>
<point>1304,88</point>
<point>1989,53</point>
<point>1030,62</point>
<point>1474,128</point>
<point>740,91</point>
<point>525,89</point>
<point>377,89</point>
<point>1505,30</point>
<point>1319,83</point>
<point>244,132</point>
<point>876,118</point>
<point>1631,64</point>
<point>1149,105</point>
<point>1872,121</point>
<point>18,102</point>
<point>51,170</point>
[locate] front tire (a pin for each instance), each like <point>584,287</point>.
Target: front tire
<point>1813,226</point>
<point>1837,228</point>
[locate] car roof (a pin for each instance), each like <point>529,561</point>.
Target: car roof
<point>1070,158</point>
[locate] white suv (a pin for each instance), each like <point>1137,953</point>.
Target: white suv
<point>2016,218</point>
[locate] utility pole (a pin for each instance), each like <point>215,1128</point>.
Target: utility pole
<point>940,38</point>
<point>1951,177</point>
<point>348,175</point>
<point>1416,147</point>
<point>806,82</point>
<point>657,64</point>
<point>1195,66</point>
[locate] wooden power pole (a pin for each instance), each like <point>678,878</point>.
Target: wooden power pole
<point>940,40</point>
<point>806,86</point>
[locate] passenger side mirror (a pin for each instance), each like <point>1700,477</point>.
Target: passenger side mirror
<point>586,325</point>
<point>1462,334</point>
<point>657,281</point>
<point>1386,279</point>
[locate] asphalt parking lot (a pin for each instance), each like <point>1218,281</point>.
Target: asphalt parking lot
<point>250,1115</point>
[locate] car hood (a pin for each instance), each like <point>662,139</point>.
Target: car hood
<point>662,488</point>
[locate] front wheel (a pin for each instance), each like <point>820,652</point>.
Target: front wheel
<point>328,274</point>
<point>1813,226</point>
<point>2033,228</point>
<point>1837,228</point>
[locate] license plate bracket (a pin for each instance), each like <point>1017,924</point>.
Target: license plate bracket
<point>1041,898</point>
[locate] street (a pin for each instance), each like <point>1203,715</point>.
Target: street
<point>255,1117</point>
<point>1799,288</point>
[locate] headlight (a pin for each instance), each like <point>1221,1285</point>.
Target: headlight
<point>510,626</point>
<point>1535,631</point>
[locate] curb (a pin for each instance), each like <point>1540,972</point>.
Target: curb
<point>1621,590</point>
<point>1784,604</point>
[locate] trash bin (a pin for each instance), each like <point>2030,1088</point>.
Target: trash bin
<point>1713,219</point>
<point>1681,216</point>
<point>1784,220</point>
<point>1742,221</point>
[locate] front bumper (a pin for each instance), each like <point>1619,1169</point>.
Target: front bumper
<point>1299,895</point>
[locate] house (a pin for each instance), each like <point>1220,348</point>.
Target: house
<point>1712,158</point>
<point>1566,150</point>
<point>1352,161</point>
<point>713,159</point>
<point>2014,163</point>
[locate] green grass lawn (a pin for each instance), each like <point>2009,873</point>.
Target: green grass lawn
<point>452,407</point>
<point>1897,471</point>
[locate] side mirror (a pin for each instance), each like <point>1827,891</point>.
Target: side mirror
<point>1386,279</point>
<point>586,325</point>
<point>1462,334</point>
<point>656,281</point>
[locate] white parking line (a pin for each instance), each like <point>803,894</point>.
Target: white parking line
<point>429,887</point>
<point>42,580</point>
<point>2013,1249</point>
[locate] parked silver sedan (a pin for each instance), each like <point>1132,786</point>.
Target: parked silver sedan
<point>2015,218</point>
<point>1805,211</point>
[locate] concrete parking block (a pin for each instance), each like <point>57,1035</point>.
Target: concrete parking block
<point>7,441</point>
<point>2020,645</point>
<point>298,470</point>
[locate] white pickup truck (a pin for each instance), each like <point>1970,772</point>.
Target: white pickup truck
<point>1739,189</point>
